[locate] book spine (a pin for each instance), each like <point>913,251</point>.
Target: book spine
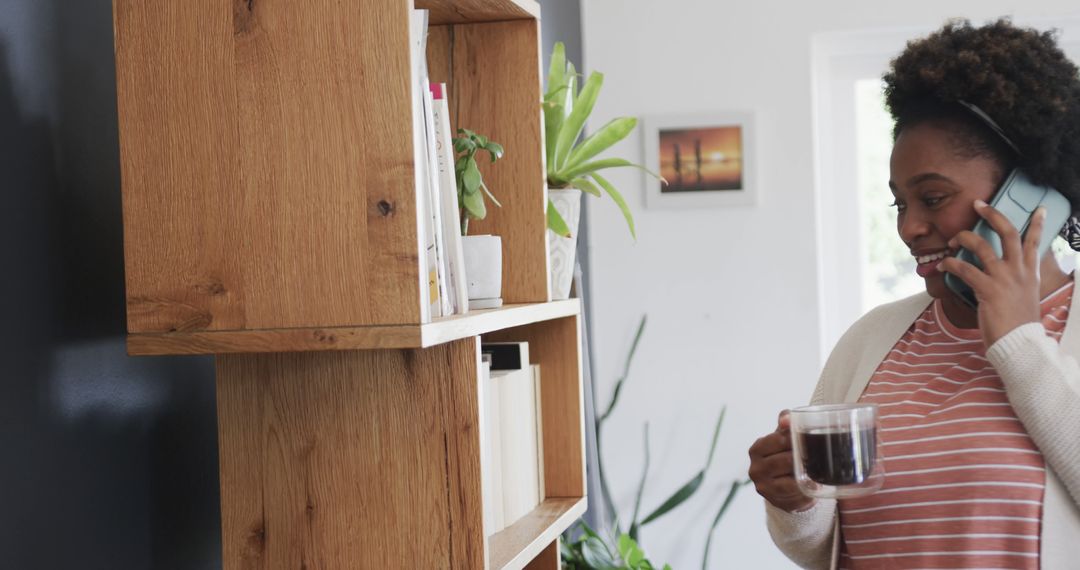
<point>434,207</point>
<point>451,212</point>
<point>417,41</point>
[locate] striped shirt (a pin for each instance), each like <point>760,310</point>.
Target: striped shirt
<point>963,480</point>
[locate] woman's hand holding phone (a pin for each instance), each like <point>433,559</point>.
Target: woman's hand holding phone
<point>772,468</point>
<point>1008,286</point>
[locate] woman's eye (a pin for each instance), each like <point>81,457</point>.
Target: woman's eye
<point>932,201</point>
<point>899,206</point>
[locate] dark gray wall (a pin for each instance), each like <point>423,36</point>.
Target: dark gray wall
<point>109,462</point>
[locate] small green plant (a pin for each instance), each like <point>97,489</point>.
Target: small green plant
<point>586,549</point>
<point>589,551</point>
<point>570,162</point>
<point>470,183</point>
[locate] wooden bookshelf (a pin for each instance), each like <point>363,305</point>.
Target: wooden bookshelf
<point>441,330</point>
<point>270,219</point>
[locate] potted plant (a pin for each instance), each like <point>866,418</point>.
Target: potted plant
<point>572,167</point>
<point>483,253</point>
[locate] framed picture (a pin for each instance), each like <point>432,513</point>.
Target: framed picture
<point>706,158</point>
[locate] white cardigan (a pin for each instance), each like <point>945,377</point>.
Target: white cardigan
<point>1042,380</point>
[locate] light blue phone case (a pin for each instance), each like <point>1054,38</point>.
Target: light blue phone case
<point>1017,200</point>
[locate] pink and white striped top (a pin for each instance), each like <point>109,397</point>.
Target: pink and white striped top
<point>963,480</point>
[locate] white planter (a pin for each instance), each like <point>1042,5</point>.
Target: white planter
<point>483,270</point>
<point>563,251</point>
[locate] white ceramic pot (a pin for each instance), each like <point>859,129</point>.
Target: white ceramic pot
<point>483,269</point>
<point>563,251</point>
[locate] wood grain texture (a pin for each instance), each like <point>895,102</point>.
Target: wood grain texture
<point>461,414</point>
<point>555,346</point>
<point>518,544</point>
<point>495,89</point>
<point>440,331</point>
<point>465,11</point>
<point>266,159</point>
<point>339,460</point>
<point>548,559</point>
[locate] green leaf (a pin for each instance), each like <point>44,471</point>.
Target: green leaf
<point>557,68</point>
<point>684,493</point>
<point>553,120</point>
<point>471,176</point>
<point>619,201</point>
<point>474,205</point>
<point>585,185</point>
<point>583,106</point>
<point>555,221</point>
<point>601,140</point>
<point>463,144</point>
<point>494,149</point>
<point>630,552</point>
<point>715,436</point>
<point>626,369</point>
<point>596,554</point>
<point>634,527</point>
<point>590,167</point>
<point>735,486</point>
<point>691,486</point>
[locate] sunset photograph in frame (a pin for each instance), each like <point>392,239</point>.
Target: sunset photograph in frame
<point>706,160</point>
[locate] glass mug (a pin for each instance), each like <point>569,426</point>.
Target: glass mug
<point>837,451</point>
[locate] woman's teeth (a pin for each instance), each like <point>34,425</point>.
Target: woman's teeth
<point>921,259</point>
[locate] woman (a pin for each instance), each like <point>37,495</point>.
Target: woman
<point>980,407</point>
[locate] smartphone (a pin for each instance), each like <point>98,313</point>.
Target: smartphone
<point>1017,199</point>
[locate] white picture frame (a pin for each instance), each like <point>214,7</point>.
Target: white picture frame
<point>717,167</point>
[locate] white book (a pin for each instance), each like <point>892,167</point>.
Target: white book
<point>487,491</point>
<point>429,293</point>
<point>517,412</point>
<point>494,432</point>
<point>434,207</point>
<point>540,495</point>
<point>451,212</point>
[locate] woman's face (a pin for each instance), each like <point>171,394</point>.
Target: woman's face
<point>935,190</point>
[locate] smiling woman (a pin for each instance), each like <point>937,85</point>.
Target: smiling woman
<point>979,406</point>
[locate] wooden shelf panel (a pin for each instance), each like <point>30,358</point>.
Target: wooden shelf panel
<point>437,332</point>
<point>516,545</point>
<point>471,11</point>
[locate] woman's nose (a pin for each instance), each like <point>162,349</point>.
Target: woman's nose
<point>912,226</point>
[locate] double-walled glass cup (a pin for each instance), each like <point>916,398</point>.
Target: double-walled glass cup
<point>837,450</point>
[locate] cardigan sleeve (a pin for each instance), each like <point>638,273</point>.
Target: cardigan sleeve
<point>806,537</point>
<point>1043,386</point>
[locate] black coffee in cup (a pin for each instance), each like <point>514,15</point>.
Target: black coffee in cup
<point>833,456</point>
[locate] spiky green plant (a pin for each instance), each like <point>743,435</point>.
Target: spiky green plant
<point>586,549</point>
<point>572,163</point>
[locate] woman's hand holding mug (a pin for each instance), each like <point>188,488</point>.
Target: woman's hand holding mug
<point>772,468</point>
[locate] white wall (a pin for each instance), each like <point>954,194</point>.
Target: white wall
<point>731,293</point>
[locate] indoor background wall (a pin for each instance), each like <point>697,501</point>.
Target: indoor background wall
<point>730,293</point>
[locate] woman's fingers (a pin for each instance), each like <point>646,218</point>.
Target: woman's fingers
<point>1032,237</point>
<point>770,444</point>
<point>1010,236</point>
<point>978,245</point>
<point>971,275</point>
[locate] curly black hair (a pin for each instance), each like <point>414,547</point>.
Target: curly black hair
<point>1017,76</point>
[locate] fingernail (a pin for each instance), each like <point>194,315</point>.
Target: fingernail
<point>938,266</point>
<point>979,203</point>
<point>1042,212</point>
